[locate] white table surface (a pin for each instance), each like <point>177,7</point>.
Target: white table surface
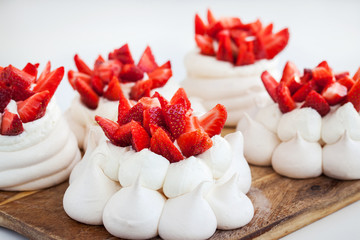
<point>38,31</point>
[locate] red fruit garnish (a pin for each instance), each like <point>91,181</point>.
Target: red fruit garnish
<point>276,43</point>
<point>161,144</point>
<point>45,72</point>
<point>124,107</point>
<point>205,43</point>
<point>108,69</point>
<point>192,123</point>
<point>162,100</point>
<point>325,65</point>
<point>210,17</point>
<point>141,89</point>
<point>34,107</point>
<point>72,76</point>
<point>175,119</point>
<point>166,65</point>
<point>301,94</point>
<point>200,27</point>
<point>347,82</point>
<point>50,82</point>
<point>317,102</point>
<point>270,85</point>
<point>153,116</point>
<point>180,97</point>
<point>291,77</point>
<point>147,61</point>
<point>135,113</point>
<point>87,95</point>
<point>160,77</point>
<point>194,143</point>
<point>356,76</point>
<point>131,73</point>
<point>11,124</point>
<point>340,75</point>
<point>223,23</point>
<point>139,137</point>
<point>246,54</point>
<point>31,69</point>
<point>97,85</point>
<point>322,76</point>
<point>122,54</point>
<point>307,76</point>
<point>109,127</point>
<point>5,96</point>
<point>224,52</point>
<point>334,93</point>
<point>149,102</point>
<point>214,120</point>
<point>114,91</point>
<point>354,95</point>
<point>17,79</point>
<point>284,100</point>
<point>81,65</point>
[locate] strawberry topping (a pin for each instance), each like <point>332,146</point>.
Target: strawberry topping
<point>147,61</point>
<point>34,107</point>
<point>317,102</point>
<point>194,143</point>
<point>214,120</point>
<point>11,124</point>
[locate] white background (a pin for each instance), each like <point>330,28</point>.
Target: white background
<point>38,31</point>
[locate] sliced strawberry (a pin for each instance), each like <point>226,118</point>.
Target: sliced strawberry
<point>11,124</point>
<point>124,107</point>
<point>5,96</point>
<point>147,61</point>
<point>100,60</point>
<point>322,76</point>
<point>31,69</point>
<point>72,76</point>
<point>277,43</point>
<point>34,107</point>
<point>139,137</point>
<point>162,100</point>
<point>87,95</point>
<point>149,102</point>
<point>109,127</point>
<point>354,95</point>
<point>141,89</point>
<point>81,65</point>
<point>21,94</point>
<point>214,120</point>
<point>224,52</point>
<point>347,82</point>
<point>270,85</point>
<point>114,91</point>
<point>166,65</point>
<point>160,77</point>
<point>356,76</point>
<point>50,82</point>
<point>135,113</point>
<point>194,143</point>
<point>200,27</point>
<point>131,73</point>
<point>161,144</point>
<point>300,95</point>
<point>175,119</point>
<point>246,54</point>
<point>205,43</point>
<point>325,65</point>
<point>108,69</point>
<point>97,85</point>
<point>16,78</point>
<point>180,97</point>
<point>45,72</point>
<point>286,103</point>
<point>238,36</point>
<point>290,70</point>
<point>122,54</point>
<point>256,26</point>
<point>192,123</point>
<point>153,116</point>
<point>341,75</point>
<point>317,102</point>
<point>223,23</point>
<point>210,17</point>
<point>334,93</point>
<point>307,76</point>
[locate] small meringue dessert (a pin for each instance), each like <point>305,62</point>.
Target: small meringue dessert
<point>226,66</point>
<point>162,170</point>
<point>313,126</point>
<point>37,147</point>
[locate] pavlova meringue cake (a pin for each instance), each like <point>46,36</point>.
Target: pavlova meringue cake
<point>312,128</point>
<point>37,147</point>
<point>98,90</point>
<point>228,61</point>
<point>163,171</point>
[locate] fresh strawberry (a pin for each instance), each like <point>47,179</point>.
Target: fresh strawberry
<point>290,70</point>
<point>114,91</point>
<point>200,27</point>
<point>31,69</point>
<point>139,137</point>
<point>354,95</point>
<point>317,102</point>
<point>21,94</point>
<point>322,76</point>
<point>154,128</point>
<point>160,77</point>
<point>224,52</point>
<point>108,69</point>
<point>192,123</point>
<point>97,85</point>
<point>88,96</point>
<point>325,65</point>
<point>166,65</point>
<point>223,23</point>
<point>334,93</point>
<point>205,43</point>
<point>135,113</point>
<point>246,54</point>
<point>180,97</point>
<point>162,100</point>
<point>277,43</point>
<point>307,75</point>
<point>175,119</point>
<point>270,85</point>
<point>34,107</point>
<point>286,103</point>
<point>109,127</point>
<point>194,143</point>
<point>18,79</point>
<point>238,36</point>
<point>356,76</point>
<point>300,95</point>
<point>141,89</point>
<point>347,82</point>
<point>147,61</point>
<point>81,65</point>
<point>131,73</point>
<point>256,26</point>
<point>122,54</point>
<point>11,124</point>
<point>50,82</point>
<point>124,107</point>
<point>72,76</point>
<point>149,102</point>
<point>210,17</point>
<point>5,96</point>
<point>214,120</point>
<point>161,144</point>
<point>153,116</point>
<point>45,72</point>
<point>100,60</point>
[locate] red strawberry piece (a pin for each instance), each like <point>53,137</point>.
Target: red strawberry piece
<point>5,96</point>
<point>153,116</point>
<point>284,100</point>
<point>11,124</point>
<point>175,119</point>
<point>270,85</point>
<point>1,69</point>
<point>268,29</point>
<point>21,94</point>
<point>161,144</point>
<point>139,137</point>
<point>108,69</point>
<point>141,89</point>
<point>290,70</point>
<point>114,91</point>
<point>72,76</point>
<point>224,52</point>
<point>81,65</point>
<point>341,75</point>
<point>160,77</point>
<point>166,65</point>
<point>97,85</point>
<point>354,95</point>
<point>147,61</point>
<point>300,95</point>
<point>124,107</point>
<point>180,97</point>
<point>135,113</point>
<point>322,76</point>
<point>87,95</point>
<point>149,102</point>
<point>317,102</point>
<point>131,73</point>
<point>154,127</point>
<point>162,100</point>
<point>238,35</point>
<point>210,17</point>
<point>31,69</point>
<point>122,54</point>
<point>50,82</point>
<point>205,43</point>
<point>246,54</point>
<point>223,23</point>
<point>192,123</point>
<point>109,127</point>
<point>200,27</point>
<point>356,76</point>
<point>194,143</point>
<point>45,72</point>
<point>100,60</point>
<point>307,76</point>
<point>34,107</point>
<point>334,93</point>
<point>277,43</point>
<point>347,82</point>
<point>325,65</point>
<point>17,79</point>
<point>214,120</point>
<point>256,26</point>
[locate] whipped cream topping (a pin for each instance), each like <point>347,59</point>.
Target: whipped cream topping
<point>24,165</point>
<point>237,88</point>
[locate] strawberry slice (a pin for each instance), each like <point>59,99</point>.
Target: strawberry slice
<point>290,70</point>
<point>149,102</point>
<point>194,143</point>
<point>131,73</point>
<point>175,119</point>
<point>166,65</point>
<point>334,93</point>
<point>81,65</point>
<point>270,85</point>
<point>180,97</point>
<point>223,23</point>
<point>317,102</point>
<point>87,95</point>
<point>147,61</point>
<point>50,82</point>
<point>160,77</point>
<point>214,120</point>
<point>153,116</point>
<point>205,43</point>
<point>307,76</point>
<point>139,137</point>
<point>122,54</point>
<point>246,54</point>
<point>277,43</point>
<point>45,72</point>
<point>354,95</point>
<point>109,127</point>
<point>224,52</point>
<point>284,100</point>
<point>16,78</point>
<point>300,95</point>
<point>135,113</point>
<point>341,75</point>
<point>141,89</point>
<point>356,76</point>
<point>100,60</point>
<point>162,100</point>
<point>322,76</point>
<point>161,144</point>
<point>325,65</point>
<point>34,107</point>
<point>97,85</point>
<point>347,82</point>
<point>124,107</point>
<point>108,69</point>
<point>114,91</point>
<point>5,96</point>
<point>72,76</point>
<point>11,124</point>
<point>192,123</point>
<point>210,17</point>
<point>200,27</point>
<point>31,69</point>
